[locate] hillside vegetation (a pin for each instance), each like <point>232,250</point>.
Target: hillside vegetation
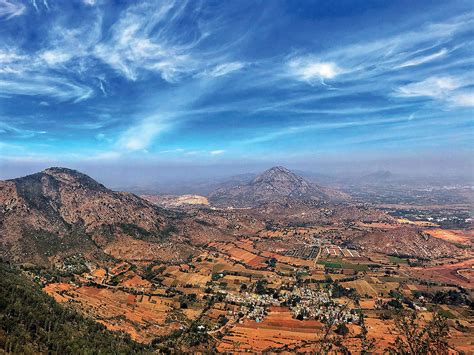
<point>31,322</point>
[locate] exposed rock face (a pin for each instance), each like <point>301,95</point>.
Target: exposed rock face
<point>277,184</point>
<point>59,211</point>
<point>172,201</point>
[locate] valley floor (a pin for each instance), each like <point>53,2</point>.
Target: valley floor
<point>275,290</point>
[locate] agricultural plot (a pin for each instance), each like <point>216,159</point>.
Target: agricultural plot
<point>303,252</point>
<point>118,310</point>
<point>289,260</point>
<point>135,281</point>
<point>337,251</point>
<point>451,274</point>
<point>277,330</point>
<point>362,287</point>
<point>397,260</point>
<point>242,255</point>
<point>187,278</point>
<point>339,264</point>
<point>228,288</point>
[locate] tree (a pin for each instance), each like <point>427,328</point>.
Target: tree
<point>342,329</point>
<point>260,287</point>
<point>271,262</point>
<point>420,337</point>
<point>32,322</point>
<point>222,320</point>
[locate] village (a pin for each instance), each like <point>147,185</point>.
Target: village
<point>252,289</point>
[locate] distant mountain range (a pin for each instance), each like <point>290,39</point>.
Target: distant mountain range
<point>341,181</point>
<point>57,213</point>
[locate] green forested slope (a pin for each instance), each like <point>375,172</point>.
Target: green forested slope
<point>32,322</point>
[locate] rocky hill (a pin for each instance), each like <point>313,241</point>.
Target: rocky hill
<point>277,184</point>
<point>281,196</point>
<point>59,212</point>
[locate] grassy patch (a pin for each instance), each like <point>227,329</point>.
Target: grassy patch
<point>446,313</point>
<point>397,260</point>
<point>334,264</point>
<point>330,264</point>
<point>356,267</point>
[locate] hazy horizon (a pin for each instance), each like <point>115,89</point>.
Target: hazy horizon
<point>145,173</point>
<point>133,93</point>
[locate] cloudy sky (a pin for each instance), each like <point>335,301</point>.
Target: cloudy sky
<point>229,82</point>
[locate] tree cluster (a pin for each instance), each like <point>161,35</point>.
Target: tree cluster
<point>32,322</point>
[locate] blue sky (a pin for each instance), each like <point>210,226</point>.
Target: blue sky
<point>205,82</point>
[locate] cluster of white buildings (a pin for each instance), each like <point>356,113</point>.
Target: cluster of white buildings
<point>311,304</point>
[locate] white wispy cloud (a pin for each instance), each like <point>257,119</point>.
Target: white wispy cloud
<point>141,40</point>
<point>68,43</point>
<point>423,59</point>
<point>35,5</point>
<point>33,84</point>
<point>10,9</point>
<point>101,86</point>
<point>177,150</point>
<point>37,8</point>
<point>146,38</point>
<point>310,69</point>
<point>224,69</point>
<point>142,135</point>
<point>305,128</point>
<point>361,62</point>
<point>464,99</point>
<point>217,152</point>
<point>192,152</point>
<point>13,131</point>
<point>8,56</point>
<point>150,39</point>
<point>101,121</point>
<point>53,57</point>
<point>44,72</point>
<point>447,89</point>
<point>436,86</point>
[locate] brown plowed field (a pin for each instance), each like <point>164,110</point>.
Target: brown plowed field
<point>142,317</point>
<point>276,331</point>
<point>447,273</point>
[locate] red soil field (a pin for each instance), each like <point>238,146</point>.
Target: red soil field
<point>447,273</point>
<point>277,330</point>
<point>456,236</point>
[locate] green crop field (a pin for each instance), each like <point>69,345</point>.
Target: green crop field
<point>335,264</point>
<point>397,260</point>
